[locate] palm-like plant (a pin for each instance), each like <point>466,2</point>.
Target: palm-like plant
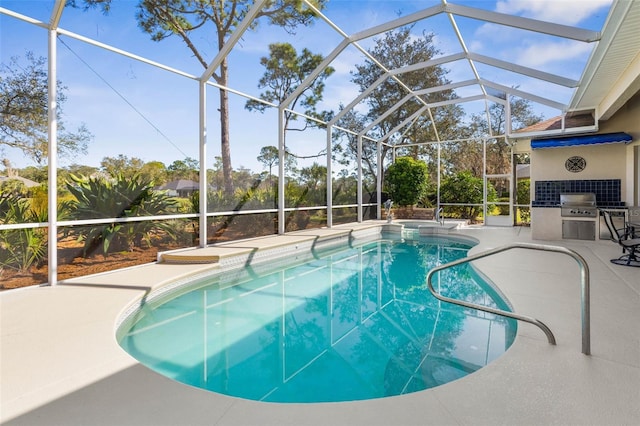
<point>121,197</point>
<point>21,248</point>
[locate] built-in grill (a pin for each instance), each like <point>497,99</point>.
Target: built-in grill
<point>579,204</point>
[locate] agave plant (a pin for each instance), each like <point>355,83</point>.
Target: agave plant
<point>21,248</point>
<point>120,197</point>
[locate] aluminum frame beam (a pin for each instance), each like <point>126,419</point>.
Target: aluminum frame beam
<point>558,30</point>
<point>519,69</point>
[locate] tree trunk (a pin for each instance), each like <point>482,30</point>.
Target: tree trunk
<point>225,150</point>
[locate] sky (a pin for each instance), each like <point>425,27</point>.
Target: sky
<point>138,110</point>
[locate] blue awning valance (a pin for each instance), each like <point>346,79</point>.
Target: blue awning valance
<point>581,140</point>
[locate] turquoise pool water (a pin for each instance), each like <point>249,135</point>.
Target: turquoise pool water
<point>350,324</point>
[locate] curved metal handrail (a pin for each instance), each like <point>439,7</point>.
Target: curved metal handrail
<point>584,275</point>
<point>439,217</point>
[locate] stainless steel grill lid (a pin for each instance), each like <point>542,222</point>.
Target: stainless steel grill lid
<point>578,204</point>
<point>587,199</point>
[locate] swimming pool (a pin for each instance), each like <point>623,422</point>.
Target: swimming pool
<point>343,324</point>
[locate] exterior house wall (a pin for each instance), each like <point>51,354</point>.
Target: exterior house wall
<point>609,161</point>
<point>628,119</point>
<point>603,162</point>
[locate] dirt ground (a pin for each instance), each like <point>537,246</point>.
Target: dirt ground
<point>71,264</point>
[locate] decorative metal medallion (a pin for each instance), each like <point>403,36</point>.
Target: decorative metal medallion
<point>575,164</point>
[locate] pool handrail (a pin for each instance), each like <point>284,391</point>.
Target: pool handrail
<point>585,290</point>
<point>439,218</point>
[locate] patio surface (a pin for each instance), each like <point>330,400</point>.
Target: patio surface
<point>60,363</point>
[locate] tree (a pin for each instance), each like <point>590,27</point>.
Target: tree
<point>188,168</point>
<point>464,188</point>
<point>269,158</point>
<point>406,181</point>
<point>244,179</point>
<point>183,18</point>
<point>79,169</point>
<point>35,173</point>
<point>154,171</point>
<point>467,154</point>
<point>314,179</point>
<point>24,110</point>
<point>215,175</point>
<point>121,165</point>
<point>314,176</point>
<point>284,72</point>
<point>14,186</point>
<point>397,49</point>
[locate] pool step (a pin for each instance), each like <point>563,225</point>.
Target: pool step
<point>268,247</point>
<point>436,229</point>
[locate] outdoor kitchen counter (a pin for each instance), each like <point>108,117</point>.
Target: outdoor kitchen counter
<point>546,222</point>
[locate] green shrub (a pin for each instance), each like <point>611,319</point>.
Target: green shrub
<point>503,208</point>
<point>523,194</point>
<point>97,198</point>
<point>21,248</point>
<point>406,181</point>
<point>464,188</point>
<point>14,186</point>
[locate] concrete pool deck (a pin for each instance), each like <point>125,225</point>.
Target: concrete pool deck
<point>60,363</point>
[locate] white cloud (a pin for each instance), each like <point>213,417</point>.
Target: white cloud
<point>567,12</point>
<point>344,64</point>
<point>541,54</point>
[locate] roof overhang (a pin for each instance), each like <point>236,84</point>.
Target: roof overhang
<point>612,75</point>
<point>597,139</point>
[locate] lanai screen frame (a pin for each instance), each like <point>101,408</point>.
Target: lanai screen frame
<point>450,10</point>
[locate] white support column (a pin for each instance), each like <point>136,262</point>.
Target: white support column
<point>281,177</point>
<point>52,136</point>
<point>359,189</point>
<point>329,181</point>
<point>507,119</point>
<point>484,180</point>
<point>513,184</point>
<point>52,249</point>
<point>203,187</point>
<point>379,181</point>
<point>438,178</point>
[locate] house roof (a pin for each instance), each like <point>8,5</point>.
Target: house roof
<point>180,185</point>
<point>556,123</point>
<point>27,182</point>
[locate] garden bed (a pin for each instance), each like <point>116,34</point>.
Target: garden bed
<point>71,264</point>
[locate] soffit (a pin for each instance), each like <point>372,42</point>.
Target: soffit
<point>612,75</point>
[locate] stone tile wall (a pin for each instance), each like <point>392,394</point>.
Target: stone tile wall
<point>608,192</point>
